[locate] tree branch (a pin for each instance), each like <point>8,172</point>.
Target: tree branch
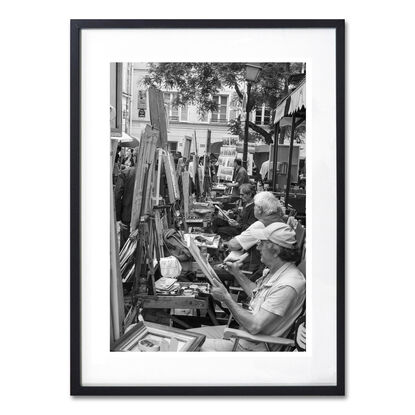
<point>259,130</point>
<point>238,91</point>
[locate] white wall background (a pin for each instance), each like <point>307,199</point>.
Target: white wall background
<point>35,206</point>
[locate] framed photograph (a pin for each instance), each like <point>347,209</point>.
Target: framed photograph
<point>151,337</point>
<point>144,95</point>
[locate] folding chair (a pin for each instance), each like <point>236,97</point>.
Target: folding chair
<point>288,342</point>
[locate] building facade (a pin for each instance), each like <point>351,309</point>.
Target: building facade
<point>182,121</point>
<point>186,120</point>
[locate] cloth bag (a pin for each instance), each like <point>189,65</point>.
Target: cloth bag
<point>170,267</point>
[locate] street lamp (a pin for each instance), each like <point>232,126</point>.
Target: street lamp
<point>251,75</point>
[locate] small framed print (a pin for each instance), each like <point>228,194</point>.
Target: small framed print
<point>151,337</point>
<point>293,115</point>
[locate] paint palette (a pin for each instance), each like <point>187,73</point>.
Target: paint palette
<point>194,289</point>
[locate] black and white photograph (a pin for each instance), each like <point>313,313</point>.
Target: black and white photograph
<point>211,208</point>
<point>204,207</point>
<point>209,239</point>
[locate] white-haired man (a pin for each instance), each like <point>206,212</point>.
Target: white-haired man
<point>267,210</point>
<point>277,297</point>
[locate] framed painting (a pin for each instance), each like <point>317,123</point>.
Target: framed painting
<point>275,90</point>
<point>155,337</point>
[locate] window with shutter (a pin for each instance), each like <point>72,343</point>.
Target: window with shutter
<point>220,115</point>
<point>263,116</point>
<point>172,146</point>
<point>171,109</point>
<point>267,116</point>
<point>258,117</point>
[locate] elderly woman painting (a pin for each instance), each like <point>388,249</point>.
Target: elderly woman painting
<point>277,297</point>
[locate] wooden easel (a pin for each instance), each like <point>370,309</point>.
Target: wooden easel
<point>207,180</point>
<point>158,117</point>
<point>172,184</point>
<point>116,293</point>
<point>146,196</point>
<point>187,146</point>
<point>144,173</point>
<point>197,183</point>
<point>147,208</point>
<point>186,192</point>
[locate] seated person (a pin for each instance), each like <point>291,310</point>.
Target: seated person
<point>240,176</point>
<point>267,210</point>
<point>245,218</point>
<point>277,297</point>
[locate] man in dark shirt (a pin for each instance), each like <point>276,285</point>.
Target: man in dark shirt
<point>124,192</point>
<point>245,219</point>
<point>240,176</point>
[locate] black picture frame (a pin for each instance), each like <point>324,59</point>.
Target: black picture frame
<point>76,27</point>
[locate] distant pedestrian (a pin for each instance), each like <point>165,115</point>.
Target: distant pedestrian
<point>264,172</point>
<point>124,192</point>
<point>240,176</point>
<point>129,159</point>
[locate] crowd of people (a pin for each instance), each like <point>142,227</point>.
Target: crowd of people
<point>268,273</point>
<point>275,287</point>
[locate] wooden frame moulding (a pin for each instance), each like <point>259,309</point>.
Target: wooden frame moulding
<point>186,192</point>
<point>172,184</point>
<point>145,158</point>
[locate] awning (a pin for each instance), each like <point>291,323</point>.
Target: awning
<point>127,140</point>
<point>287,121</point>
<point>291,103</point>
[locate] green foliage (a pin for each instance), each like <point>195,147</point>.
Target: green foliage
<point>299,134</point>
<point>235,127</point>
<point>197,82</point>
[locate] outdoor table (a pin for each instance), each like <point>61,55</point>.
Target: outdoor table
<point>172,302</point>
